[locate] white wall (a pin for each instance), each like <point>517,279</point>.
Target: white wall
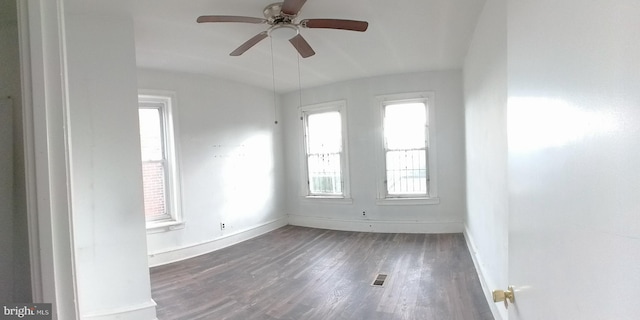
<point>363,131</point>
<point>112,276</point>
<point>8,46</point>
<point>574,150</point>
<point>6,200</point>
<point>485,95</point>
<point>230,158</point>
<point>14,248</point>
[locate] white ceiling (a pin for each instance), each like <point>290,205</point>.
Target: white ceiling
<point>403,36</point>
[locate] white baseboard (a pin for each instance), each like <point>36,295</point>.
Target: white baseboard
<point>160,258</point>
<point>385,226</point>
<point>143,311</point>
<point>486,289</point>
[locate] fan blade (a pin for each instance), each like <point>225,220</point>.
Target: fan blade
<point>302,46</point>
<point>292,7</point>
<point>353,25</point>
<point>250,43</point>
<point>202,19</point>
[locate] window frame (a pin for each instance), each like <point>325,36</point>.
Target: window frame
<point>339,106</point>
<point>431,196</point>
<point>165,101</point>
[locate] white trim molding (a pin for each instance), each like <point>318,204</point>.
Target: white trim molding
<point>46,134</point>
<point>178,254</point>
<point>486,288</point>
<point>429,100</point>
<point>327,200</point>
<point>166,103</point>
<point>407,201</point>
<point>383,226</point>
<point>29,151</point>
<point>339,106</point>
<point>146,310</point>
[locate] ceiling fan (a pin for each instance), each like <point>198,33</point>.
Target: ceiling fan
<point>281,18</point>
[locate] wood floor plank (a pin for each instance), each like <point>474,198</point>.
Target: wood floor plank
<point>305,273</point>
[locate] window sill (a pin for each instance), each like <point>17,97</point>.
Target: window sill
<point>407,201</point>
<point>328,200</point>
<point>164,226</point>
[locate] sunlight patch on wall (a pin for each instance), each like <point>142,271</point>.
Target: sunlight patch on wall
<point>536,123</point>
<point>248,179</point>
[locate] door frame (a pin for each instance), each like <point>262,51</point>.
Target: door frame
<point>46,153</point>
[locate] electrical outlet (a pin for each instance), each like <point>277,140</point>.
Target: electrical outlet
<point>222,226</point>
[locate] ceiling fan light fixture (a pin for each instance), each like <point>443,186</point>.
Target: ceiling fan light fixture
<point>283,31</point>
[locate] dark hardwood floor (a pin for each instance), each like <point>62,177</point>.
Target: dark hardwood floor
<point>303,273</point>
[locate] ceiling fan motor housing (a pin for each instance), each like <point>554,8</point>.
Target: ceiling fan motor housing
<point>273,13</point>
<point>282,26</point>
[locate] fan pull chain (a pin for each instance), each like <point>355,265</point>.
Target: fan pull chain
<point>273,78</point>
<point>299,84</point>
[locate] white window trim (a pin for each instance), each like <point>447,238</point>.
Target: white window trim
<point>174,204</point>
<point>341,107</point>
<point>428,97</point>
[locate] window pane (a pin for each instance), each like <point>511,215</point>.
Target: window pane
<point>406,172</point>
<point>324,173</point>
<point>324,132</point>
<point>405,126</point>
<point>153,181</point>
<point>324,147</point>
<point>151,134</point>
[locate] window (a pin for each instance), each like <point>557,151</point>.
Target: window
<point>325,161</point>
<point>407,164</point>
<point>159,167</point>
